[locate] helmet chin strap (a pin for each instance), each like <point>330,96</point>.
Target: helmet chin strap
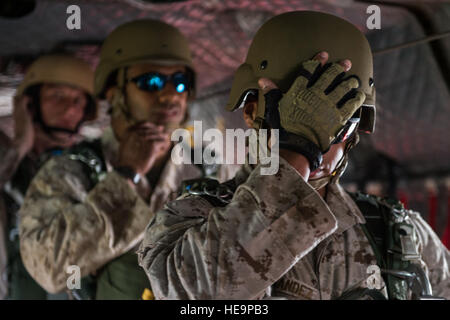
<point>50,130</point>
<point>119,105</point>
<point>318,184</point>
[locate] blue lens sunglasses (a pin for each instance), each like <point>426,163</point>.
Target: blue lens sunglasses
<point>155,81</point>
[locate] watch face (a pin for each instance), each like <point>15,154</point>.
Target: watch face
<point>129,173</point>
<point>136,178</point>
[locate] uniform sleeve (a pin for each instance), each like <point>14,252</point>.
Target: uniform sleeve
<point>64,223</point>
<point>435,255</point>
<point>192,250</point>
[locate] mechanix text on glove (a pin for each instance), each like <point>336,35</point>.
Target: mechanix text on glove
<point>320,102</point>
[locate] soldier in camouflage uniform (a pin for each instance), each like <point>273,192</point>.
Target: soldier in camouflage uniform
<point>297,234</point>
<point>89,207</point>
<point>53,100</point>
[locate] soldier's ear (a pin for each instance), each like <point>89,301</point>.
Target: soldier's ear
<point>250,111</point>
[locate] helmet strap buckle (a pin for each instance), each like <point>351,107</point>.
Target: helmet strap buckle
<point>258,123</point>
<point>119,97</point>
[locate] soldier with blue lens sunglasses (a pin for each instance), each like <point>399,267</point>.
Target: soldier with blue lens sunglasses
<point>155,81</point>
<point>128,182</point>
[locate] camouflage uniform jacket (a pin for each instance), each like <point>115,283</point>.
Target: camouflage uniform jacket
<point>6,152</point>
<point>276,238</point>
<point>66,221</point>
<point>15,177</point>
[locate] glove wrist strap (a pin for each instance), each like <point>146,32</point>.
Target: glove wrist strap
<point>304,147</point>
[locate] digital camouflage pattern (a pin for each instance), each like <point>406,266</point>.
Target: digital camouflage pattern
<point>65,221</point>
<point>277,238</point>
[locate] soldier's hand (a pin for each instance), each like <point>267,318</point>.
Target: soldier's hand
<point>23,125</point>
<point>295,159</point>
<point>320,101</point>
<point>141,145</point>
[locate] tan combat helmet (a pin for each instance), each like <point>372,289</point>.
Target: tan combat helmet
<point>62,69</point>
<point>285,41</point>
<point>141,41</point>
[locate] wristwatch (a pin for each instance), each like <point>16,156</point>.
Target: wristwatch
<point>128,173</point>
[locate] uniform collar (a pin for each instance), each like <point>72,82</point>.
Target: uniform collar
<point>340,203</point>
<point>343,207</point>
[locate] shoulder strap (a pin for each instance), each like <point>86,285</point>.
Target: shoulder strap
<point>391,235</point>
<point>362,294</point>
<point>90,154</point>
<point>375,227</point>
<point>88,289</point>
<point>217,194</point>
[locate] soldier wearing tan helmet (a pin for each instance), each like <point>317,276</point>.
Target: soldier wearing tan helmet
<point>89,208</point>
<point>297,234</point>
<point>51,103</point>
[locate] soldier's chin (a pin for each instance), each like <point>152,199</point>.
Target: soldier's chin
<point>65,138</point>
<point>170,126</point>
<point>169,123</point>
<point>316,174</point>
<point>319,183</point>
